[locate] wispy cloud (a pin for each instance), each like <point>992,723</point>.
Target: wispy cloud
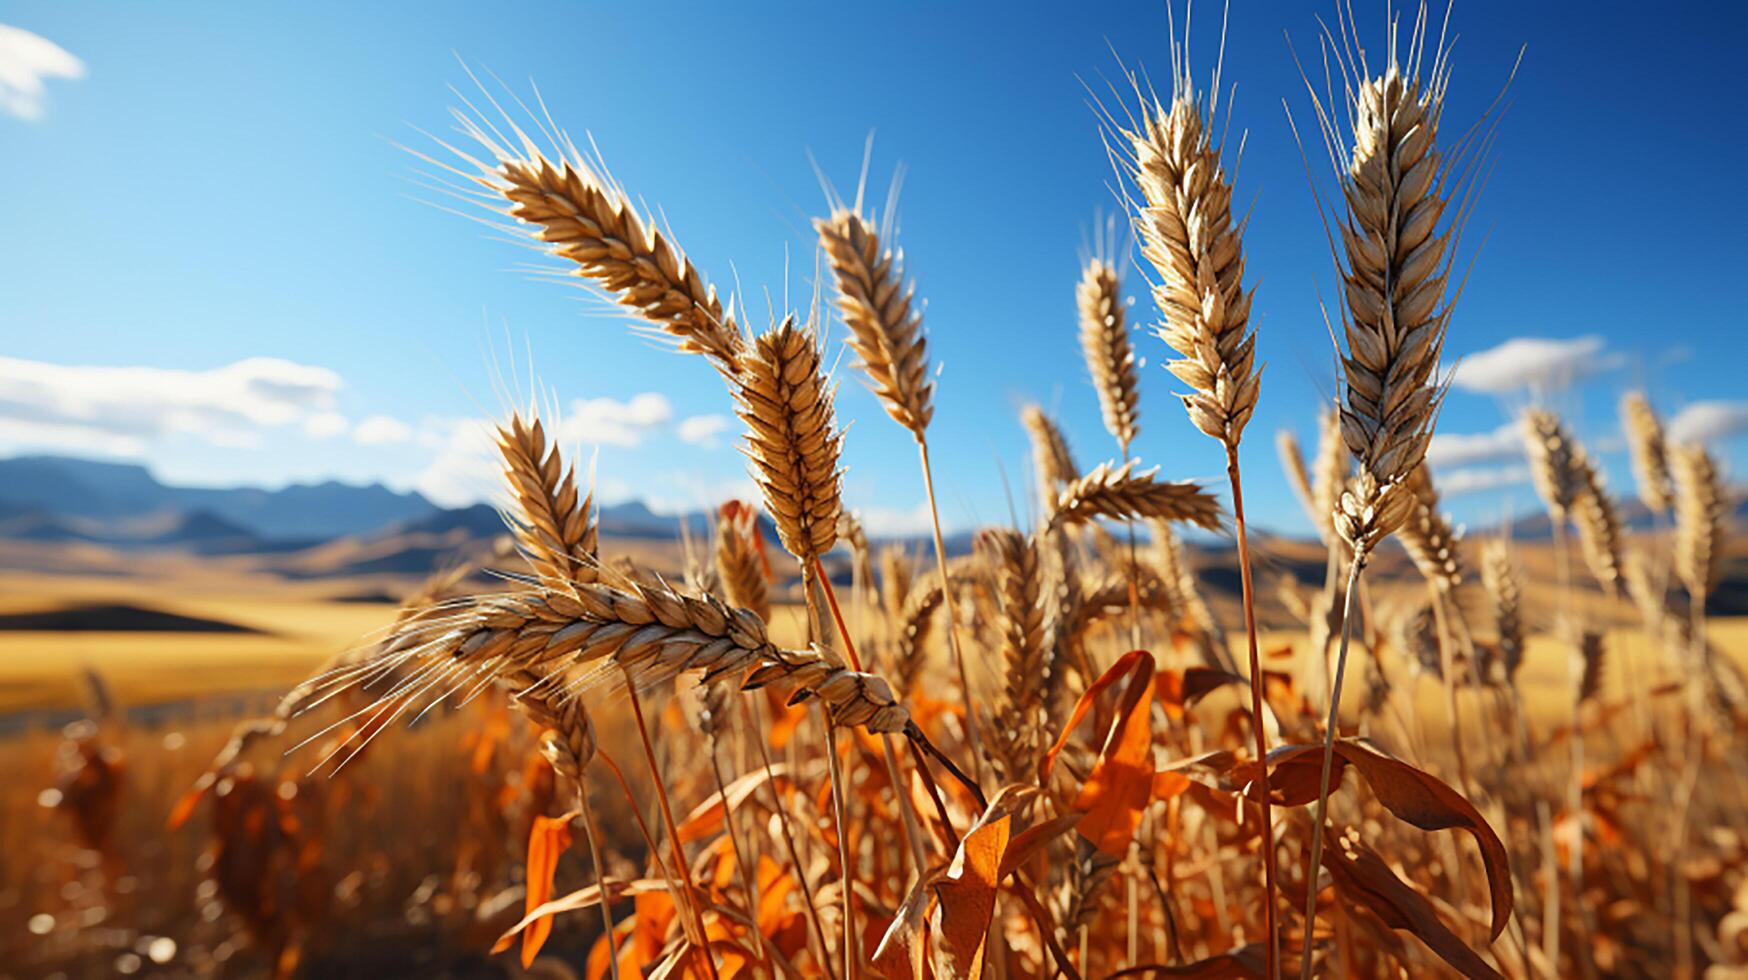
<point>380,430</point>
<point>1460,449</point>
<point>1475,479</point>
<point>1535,364</point>
<point>27,62</point>
<point>326,425</point>
<point>609,422</point>
<point>1709,421</point>
<point>123,410</point>
<point>703,431</point>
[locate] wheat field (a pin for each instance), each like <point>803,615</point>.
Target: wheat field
<point>790,751</point>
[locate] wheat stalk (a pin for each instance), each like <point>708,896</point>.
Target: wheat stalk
<point>1394,267</point>
<point>914,623</point>
<point>1187,234</point>
<point>1503,584</point>
<point>792,439</point>
<point>1186,594</point>
<point>1051,456</point>
<point>1120,493</point>
<point>1553,457</point>
<point>1599,527</point>
<point>1019,729</point>
<point>885,331</point>
<point>1428,536</point>
<point>581,215</point>
<point>1650,457</point>
<point>651,633</point>
<point>1701,513</point>
<point>738,564</point>
<point>1110,357</point>
<point>553,526</point>
<point>850,529</point>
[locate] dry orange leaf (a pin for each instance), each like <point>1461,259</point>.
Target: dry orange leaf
<point>1121,782</point>
<point>1362,876</point>
<point>548,839</point>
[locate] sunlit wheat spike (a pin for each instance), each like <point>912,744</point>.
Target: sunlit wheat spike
<point>1119,493</point>
<point>1701,515</point>
<point>1427,535</point>
<point>1179,578</point>
<point>1013,560</point>
<point>1293,464</point>
<point>896,572</point>
<point>554,527</point>
<point>1501,579</point>
<point>792,436</point>
<point>877,305</point>
<point>1188,235</point>
<point>1394,241</point>
<point>1051,456</point>
<point>1599,527</point>
<point>1110,357</point>
<point>914,623</point>
<point>739,566</point>
<point>850,530</point>
<point>1329,472</point>
<point>579,212</point>
<point>569,741</point>
<point>1554,460</point>
<point>651,633</point>
<point>1650,456</point>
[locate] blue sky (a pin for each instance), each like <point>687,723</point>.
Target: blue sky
<point>216,259</point>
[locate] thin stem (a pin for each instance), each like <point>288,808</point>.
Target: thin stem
<point>748,883</point>
<point>908,824</point>
<point>971,727</point>
<point>782,812</point>
<point>682,869</point>
<point>1256,717</point>
<point>1316,862</point>
<point>846,876</point>
<point>600,872</point>
<point>922,768</point>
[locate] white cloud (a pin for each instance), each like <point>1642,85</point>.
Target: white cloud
<point>702,430</point>
<point>128,408</point>
<point>609,422</point>
<point>379,430</point>
<point>326,425</point>
<point>465,470</point>
<point>1535,363</point>
<point>1460,449</point>
<point>1478,478</point>
<point>26,62</point>
<point>891,522</point>
<point>1709,421</point>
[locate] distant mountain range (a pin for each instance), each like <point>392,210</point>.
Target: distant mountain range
<point>313,530</point>
<point>52,499</point>
<point>114,495</point>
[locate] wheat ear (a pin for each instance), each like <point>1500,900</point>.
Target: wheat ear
<point>552,524</point>
<point>1701,516</point>
<point>1119,493</point>
<point>1051,456</point>
<point>1110,357</point>
<point>1503,583</point>
<point>1650,455</point>
<point>1013,558</point>
<point>580,214</point>
<point>738,564</point>
<point>1599,527</point>
<point>1553,458</point>
<point>1184,218</point>
<point>877,306</point>
<point>792,438</point>
<point>1394,268</point>
<point>1428,535</point>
